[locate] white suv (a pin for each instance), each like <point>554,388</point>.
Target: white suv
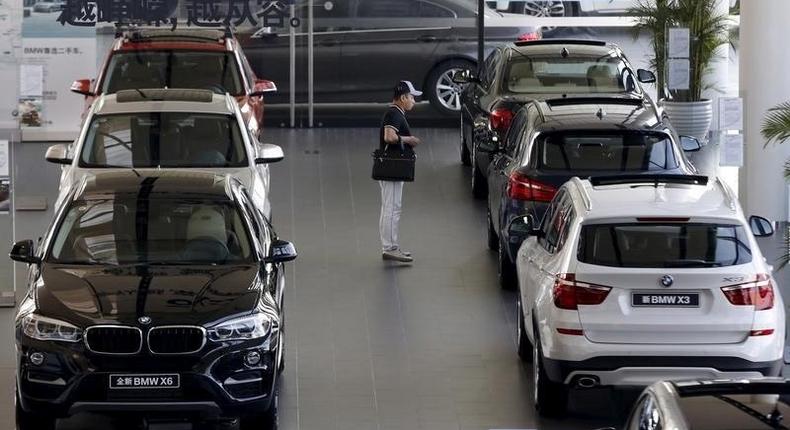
<point>168,129</point>
<point>634,279</point>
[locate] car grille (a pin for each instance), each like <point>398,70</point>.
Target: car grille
<point>176,339</point>
<point>114,339</point>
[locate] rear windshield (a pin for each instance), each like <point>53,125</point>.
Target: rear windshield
<point>163,139</point>
<point>558,75</point>
<point>741,412</point>
<point>652,245</point>
<point>627,151</point>
<point>215,71</point>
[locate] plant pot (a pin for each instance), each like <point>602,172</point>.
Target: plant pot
<point>690,118</point>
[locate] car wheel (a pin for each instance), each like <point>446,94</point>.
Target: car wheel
<point>550,398</point>
<point>507,270</point>
<point>444,94</point>
<point>493,239</point>
<point>466,158</point>
<point>546,9</point>
<point>33,421</point>
<point>479,182</point>
<point>266,421</point>
<point>524,345</point>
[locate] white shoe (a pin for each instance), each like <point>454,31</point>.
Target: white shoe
<point>396,255</point>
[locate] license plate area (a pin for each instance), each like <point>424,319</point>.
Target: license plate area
<point>144,381</point>
<point>665,300</point>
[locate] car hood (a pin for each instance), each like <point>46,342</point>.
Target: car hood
<point>86,295</point>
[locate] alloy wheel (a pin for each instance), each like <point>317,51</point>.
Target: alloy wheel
<point>545,9</point>
<point>448,92</point>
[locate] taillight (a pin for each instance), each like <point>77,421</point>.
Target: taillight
<point>758,293</point>
<point>569,293</point>
<point>526,37</point>
<point>501,119</point>
<point>764,332</point>
<point>521,187</point>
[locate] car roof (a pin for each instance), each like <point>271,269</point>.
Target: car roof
<point>164,100</point>
<point>575,47</point>
<point>654,196</point>
<point>200,39</point>
<point>143,182</point>
<point>626,112</point>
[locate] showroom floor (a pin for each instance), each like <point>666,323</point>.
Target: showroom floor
<point>373,345</point>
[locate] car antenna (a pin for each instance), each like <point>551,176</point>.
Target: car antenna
<point>564,52</point>
<point>601,113</point>
<point>142,94</point>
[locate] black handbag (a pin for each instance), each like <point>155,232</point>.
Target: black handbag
<point>393,165</point>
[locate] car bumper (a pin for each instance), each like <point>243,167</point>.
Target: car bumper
<point>214,384</point>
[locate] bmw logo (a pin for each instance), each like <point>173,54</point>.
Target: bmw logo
<point>144,320</point>
<point>666,281</point>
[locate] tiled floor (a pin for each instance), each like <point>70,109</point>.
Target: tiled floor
<point>381,346</point>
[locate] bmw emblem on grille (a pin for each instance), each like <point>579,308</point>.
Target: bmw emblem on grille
<point>666,281</point>
<point>144,320</point>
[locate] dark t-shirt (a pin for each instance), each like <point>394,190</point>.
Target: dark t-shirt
<point>396,119</point>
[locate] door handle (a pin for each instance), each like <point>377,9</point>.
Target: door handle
<point>427,38</point>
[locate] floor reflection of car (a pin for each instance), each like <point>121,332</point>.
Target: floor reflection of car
<point>362,48</point>
<point>154,293</point>
<point>48,6</point>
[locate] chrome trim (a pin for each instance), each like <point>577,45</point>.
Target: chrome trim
<point>148,339</point>
<point>58,381</point>
<point>87,345</point>
<point>232,381</point>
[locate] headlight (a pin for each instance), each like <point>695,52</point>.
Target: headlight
<point>43,328</point>
<point>244,328</point>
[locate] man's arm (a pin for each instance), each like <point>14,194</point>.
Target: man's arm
<point>391,137</point>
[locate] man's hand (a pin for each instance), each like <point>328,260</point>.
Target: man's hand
<point>412,140</point>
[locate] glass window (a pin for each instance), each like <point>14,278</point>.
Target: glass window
<point>388,9</point>
<point>652,245</point>
<point>164,139</point>
<point>513,136</point>
<point>433,10</point>
<point>215,71</point>
<point>606,151</point>
<point>572,74</point>
<point>129,229</point>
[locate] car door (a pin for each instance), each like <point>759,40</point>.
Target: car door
<point>388,41</point>
<point>533,258</point>
<point>498,170</point>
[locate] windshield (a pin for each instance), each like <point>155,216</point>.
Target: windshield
<point>558,75</point>
<point>605,151</point>
<point>733,411</point>
<point>163,139</point>
<point>216,71</point>
<point>651,245</point>
<point>130,229</point>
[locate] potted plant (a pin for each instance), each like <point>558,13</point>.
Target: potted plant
<point>776,129</point>
<point>689,112</point>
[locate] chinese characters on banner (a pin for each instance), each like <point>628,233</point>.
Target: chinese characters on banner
<point>200,13</point>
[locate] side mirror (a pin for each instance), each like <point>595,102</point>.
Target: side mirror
<point>282,251</point>
<point>22,251</point>
<point>464,77</point>
<point>262,86</point>
<point>760,226</point>
<point>645,76</point>
<point>269,154</point>
<point>490,145</point>
<point>83,87</point>
<point>58,154</point>
<point>523,226</point>
<point>690,144</point>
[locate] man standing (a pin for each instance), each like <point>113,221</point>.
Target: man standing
<point>395,131</point>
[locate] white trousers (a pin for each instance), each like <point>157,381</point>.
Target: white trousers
<point>391,194</point>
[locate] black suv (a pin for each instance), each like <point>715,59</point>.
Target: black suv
<point>554,140</point>
<point>159,294</point>
<point>518,73</point>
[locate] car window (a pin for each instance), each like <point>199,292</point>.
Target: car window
<point>388,9</point>
<point>216,71</point>
<point>428,9</point>
<point>488,71</point>
<point>605,151</point>
<point>128,228</point>
<point>653,245</point>
<point>338,9</point>
<point>248,73</point>
<point>556,74</point>
<point>557,226</point>
<point>163,139</point>
<point>515,132</point>
<point>547,225</point>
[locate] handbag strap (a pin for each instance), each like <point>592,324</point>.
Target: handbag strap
<point>400,142</point>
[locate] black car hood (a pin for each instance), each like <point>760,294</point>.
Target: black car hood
<point>86,295</point>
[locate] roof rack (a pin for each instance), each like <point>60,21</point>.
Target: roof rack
<point>732,200</point>
<point>587,42</point>
<point>649,179</point>
<point>582,191</point>
<point>164,94</point>
<point>138,31</point>
<point>568,101</point>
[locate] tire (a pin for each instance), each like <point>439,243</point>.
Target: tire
<point>442,99</point>
<point>268,420</point>
<point>555,9</point>
<point>33,421</point>
<point>493,238</point>
<point>550,398</point>
<point>466,158</point>
<point>479,181</point>
<point>524,345</point>
<point>507,270</point>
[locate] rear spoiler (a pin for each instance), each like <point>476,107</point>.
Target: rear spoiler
<point>588,42</point>
<point>649,179</point>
